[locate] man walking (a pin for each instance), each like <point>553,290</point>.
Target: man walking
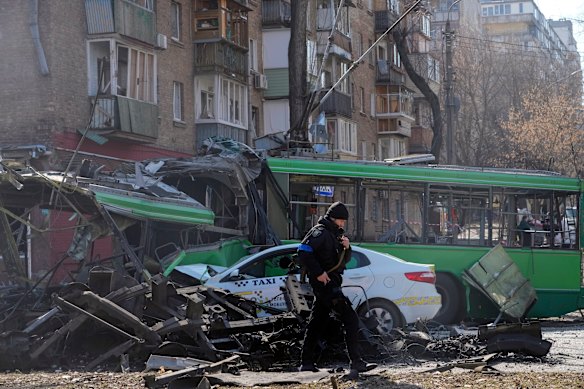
<point>323,253</point>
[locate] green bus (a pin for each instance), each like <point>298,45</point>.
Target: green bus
<point>449,216</point>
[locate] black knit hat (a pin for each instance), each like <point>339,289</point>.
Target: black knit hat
<point>337,211</point>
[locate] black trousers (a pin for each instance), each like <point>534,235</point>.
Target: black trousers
<point>330,298</point>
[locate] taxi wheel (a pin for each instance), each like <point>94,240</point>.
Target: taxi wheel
<point>380,316</point>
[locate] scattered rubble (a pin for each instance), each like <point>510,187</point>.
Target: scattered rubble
<point>129,311</point>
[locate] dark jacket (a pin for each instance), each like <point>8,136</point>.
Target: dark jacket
<point>320,251</point>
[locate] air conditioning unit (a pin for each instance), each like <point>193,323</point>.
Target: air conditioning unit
<point>260,81</point>
<point>161,41</point>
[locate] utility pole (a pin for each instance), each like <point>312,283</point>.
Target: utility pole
<point>449,35</point>
<point>450,122</point>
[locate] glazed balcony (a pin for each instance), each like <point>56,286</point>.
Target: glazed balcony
<point>276,13</point>
<point>121,17</point>
<point>221,20</point>
<point>394,105</point>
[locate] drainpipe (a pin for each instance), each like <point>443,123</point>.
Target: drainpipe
<point>36,38</point>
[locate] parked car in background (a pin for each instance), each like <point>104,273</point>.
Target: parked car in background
<point>393,291</point>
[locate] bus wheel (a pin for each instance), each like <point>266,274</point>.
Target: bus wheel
<point>380,316</point>
<point>452,299</point>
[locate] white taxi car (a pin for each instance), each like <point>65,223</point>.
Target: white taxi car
<point>393,291</point>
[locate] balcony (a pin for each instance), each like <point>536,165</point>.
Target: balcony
<point>341,44</point>
<point>387,74</point>
<point>221,57</point>
<point>121,117</point>
<point>384,20</point>
<point>428,67</point>
<point>387,126</point>
<point>121,17</point>
<point>221,20</point>
<point>394,105</point>
<point>337,103</point>
<point>207,130</point>
<point>276,13</point>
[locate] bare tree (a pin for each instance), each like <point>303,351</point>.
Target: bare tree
<point>546,132</point>
<point>481,91</point>
<point>400,35</point>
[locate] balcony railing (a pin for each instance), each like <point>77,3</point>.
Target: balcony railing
<point>384,20</point>
<point>219,56</point>
<point>386,73</point>
<point>122,17</point>
<point>337,103</point>
<point>128,118</point>
<point>388,126</point>
<point>394,105</point>
<point>276,13</point>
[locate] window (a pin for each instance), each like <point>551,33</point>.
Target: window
<point>148,4</point>
<point>433,69</point>
<point>253,55</point>
<point>371,59</point>
<point>176,17</point>
<point>136,74</point>
<point>207,103</point>
<point>343,25</point>
<point>340,68</point>
<point>233,102</point>
<point>177,101</point>
<point>396,58</point>
<point>394,5</point>
<point>311,58</point>
<point>353,98</point>
<point>255,119</point>
<point>345,134</point>
<point>425,25</point>
<point>359,43</point>
<point>381,52</point>
<point>362,99</point>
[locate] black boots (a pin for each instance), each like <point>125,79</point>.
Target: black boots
<point>361,366</point>
<point>309,366</point>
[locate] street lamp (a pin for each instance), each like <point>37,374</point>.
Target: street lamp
<point>449,35</point>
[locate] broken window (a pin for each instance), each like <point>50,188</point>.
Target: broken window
<point>136,74</point>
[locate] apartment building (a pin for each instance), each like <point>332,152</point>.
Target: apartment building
<point>133,58</point>
<point>520,21</point>
<point>369,114</point>
<point>133,79</point>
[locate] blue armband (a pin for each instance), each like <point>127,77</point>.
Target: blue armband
<point>305,247</point>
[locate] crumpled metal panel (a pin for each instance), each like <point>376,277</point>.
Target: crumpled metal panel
<point>499,278</point>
